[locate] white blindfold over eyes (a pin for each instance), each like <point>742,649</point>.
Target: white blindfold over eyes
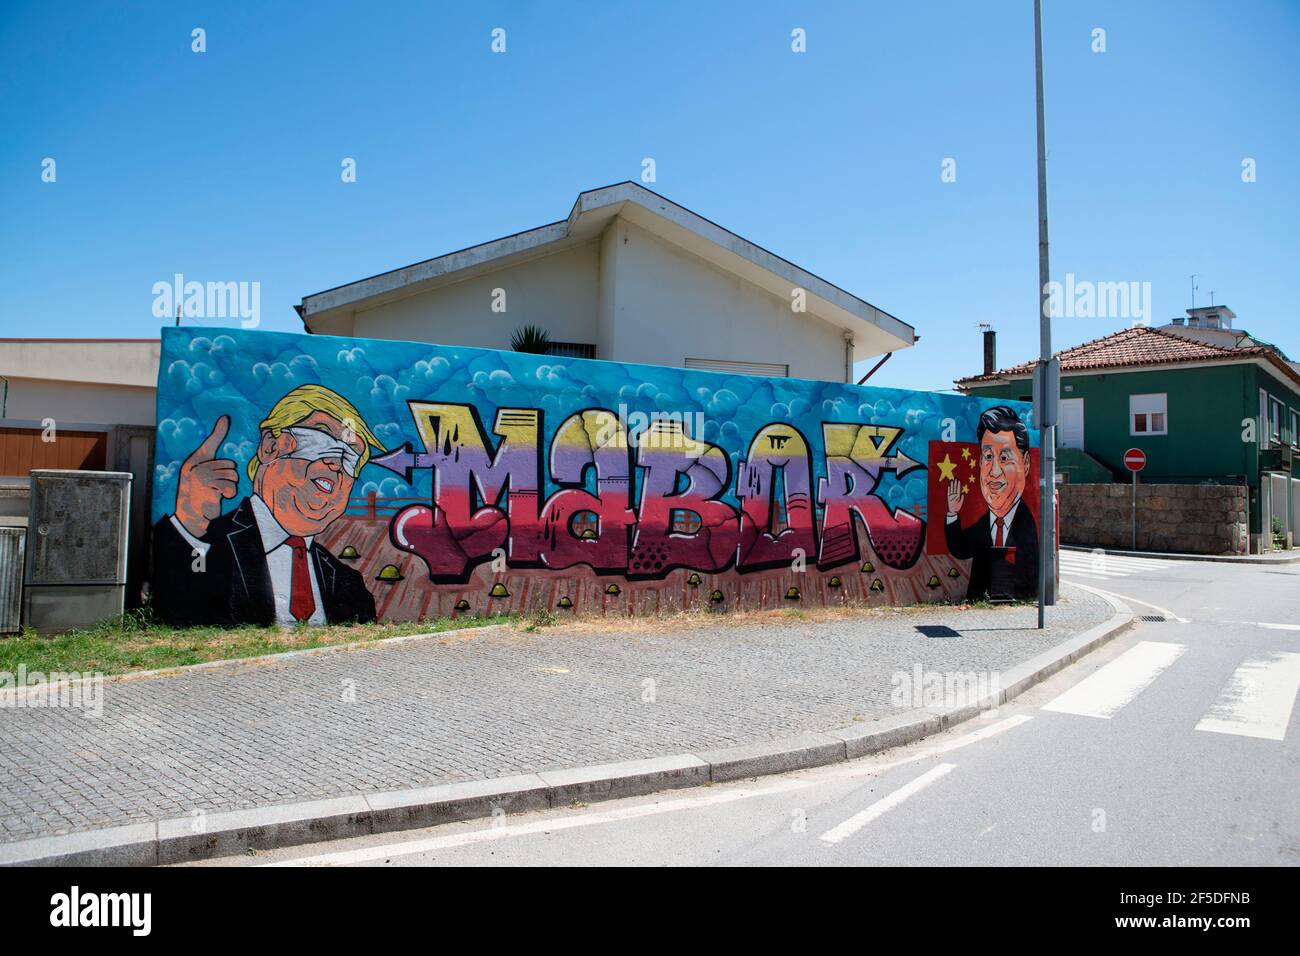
<point>313,444</point>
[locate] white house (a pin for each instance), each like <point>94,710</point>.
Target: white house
<point>628,276</point>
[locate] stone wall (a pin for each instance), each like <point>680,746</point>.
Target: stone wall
<point>1191,519</point>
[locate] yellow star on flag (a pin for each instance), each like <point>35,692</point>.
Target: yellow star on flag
<point>965,453</point>
<point>947,469</point>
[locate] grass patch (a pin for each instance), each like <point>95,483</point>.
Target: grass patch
<point>539,619</point>
<point>136,643</point>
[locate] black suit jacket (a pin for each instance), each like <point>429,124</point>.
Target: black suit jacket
<point>235,585</point>
<point>976,544</point>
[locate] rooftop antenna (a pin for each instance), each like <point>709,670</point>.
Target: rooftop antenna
<point>1211,298</point>
<point>1193,290</point>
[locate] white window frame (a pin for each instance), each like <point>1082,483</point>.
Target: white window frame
<point>1295,428</point>
<point>1264,443</point>
<point>1279,436</point>
<point>1137,406</point>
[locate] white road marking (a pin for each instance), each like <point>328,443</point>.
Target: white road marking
<point>1095,567</point>
<point>1089,573</point>
<point>1111,566</point>
<point>864,767</point>
<point>1257,700</point>
<point>1124,597</point>
<point>1103,694</point>
<point>387,851</point>
<point>859,820</point>
<point>1270,626</point>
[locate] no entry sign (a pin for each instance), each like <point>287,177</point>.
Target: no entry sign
<point>1135,459</point>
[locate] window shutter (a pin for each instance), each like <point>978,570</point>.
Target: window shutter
<point>771,370</point>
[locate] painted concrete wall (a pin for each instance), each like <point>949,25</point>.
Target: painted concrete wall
<point>421,480</point>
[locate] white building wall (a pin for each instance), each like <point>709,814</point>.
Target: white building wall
<point>558,292</point>
<point>668,305</point>
<point>89,381</point>
<point>86,403</point>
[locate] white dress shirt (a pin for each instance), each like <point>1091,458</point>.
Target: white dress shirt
<point>993,526</point>
<point>279,562</point>
<point>1006,526</point>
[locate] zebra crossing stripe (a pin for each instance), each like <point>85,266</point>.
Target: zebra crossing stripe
<point>1258,698</point>
<point>1104,693</point>
<point>1103,564</point>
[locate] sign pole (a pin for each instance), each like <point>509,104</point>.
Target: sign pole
<point>1135,459</point>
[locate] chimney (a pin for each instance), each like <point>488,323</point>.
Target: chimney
<point>990,351</point>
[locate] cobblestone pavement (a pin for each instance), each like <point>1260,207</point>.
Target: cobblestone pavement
<point>481,704</point>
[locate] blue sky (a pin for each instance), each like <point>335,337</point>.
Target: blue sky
<point>225,165</point>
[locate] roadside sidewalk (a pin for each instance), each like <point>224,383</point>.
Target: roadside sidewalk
<point>481,705</point>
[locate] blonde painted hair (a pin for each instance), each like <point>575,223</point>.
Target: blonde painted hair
<point>299,404</point>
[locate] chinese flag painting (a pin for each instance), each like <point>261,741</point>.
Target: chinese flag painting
<point>959,460</point>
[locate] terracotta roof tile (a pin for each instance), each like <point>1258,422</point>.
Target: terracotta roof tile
<point>1139,346</point>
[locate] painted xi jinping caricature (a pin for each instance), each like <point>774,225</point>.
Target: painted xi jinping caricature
<point>1003,542</point>
<point>260,562</point>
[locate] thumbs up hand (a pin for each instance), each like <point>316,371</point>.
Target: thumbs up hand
<point>204,481</point>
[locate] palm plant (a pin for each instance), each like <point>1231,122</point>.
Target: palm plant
<point>531,338</point>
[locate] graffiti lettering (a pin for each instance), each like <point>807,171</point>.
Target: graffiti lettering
<point>856,460</point>
<point>484,499</point>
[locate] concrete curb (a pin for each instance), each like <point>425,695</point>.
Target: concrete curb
<point>230,833</point>
<point>1171,556</point>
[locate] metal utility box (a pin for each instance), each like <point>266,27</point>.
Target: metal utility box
<point>76,548</point>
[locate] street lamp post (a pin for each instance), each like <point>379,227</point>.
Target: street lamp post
<point>1049,398</point>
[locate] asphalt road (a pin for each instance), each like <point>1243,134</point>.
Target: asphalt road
<point>1175,744</point>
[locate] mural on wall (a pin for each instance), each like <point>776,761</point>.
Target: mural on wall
<point>987,494</point>
<point>320,479</point>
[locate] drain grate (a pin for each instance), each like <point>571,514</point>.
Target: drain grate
<point>1158,618</point>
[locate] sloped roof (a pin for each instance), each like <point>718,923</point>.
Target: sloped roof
<point>1139,346</point>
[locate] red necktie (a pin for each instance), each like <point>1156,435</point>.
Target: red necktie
<point>997,543</point>
<point>301,603</point>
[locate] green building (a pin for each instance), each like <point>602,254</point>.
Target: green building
<point>1205,402</point>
